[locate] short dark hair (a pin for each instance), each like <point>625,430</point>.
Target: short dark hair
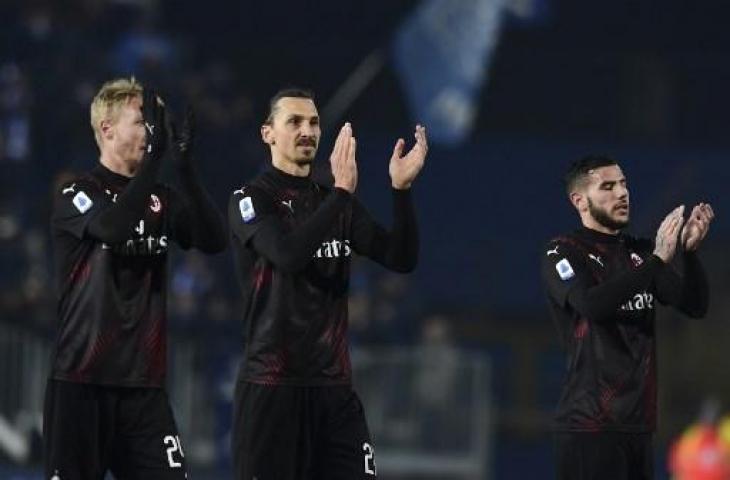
<point>580,169</point>
<point>294,92</point>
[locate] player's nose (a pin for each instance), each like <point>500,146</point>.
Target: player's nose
<point>306,130</point>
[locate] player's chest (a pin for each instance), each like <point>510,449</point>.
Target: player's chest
<point>606,261</point>
<point>149,234</point>
<point>335,246</point>
<point>610,262</point>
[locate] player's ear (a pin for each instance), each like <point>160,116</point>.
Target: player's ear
<point>579,201</point>
<point>267,134</point>
<point>106,129</point>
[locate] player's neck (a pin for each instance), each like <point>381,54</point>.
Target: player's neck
<point>117,165</point>
<point>291,168</point>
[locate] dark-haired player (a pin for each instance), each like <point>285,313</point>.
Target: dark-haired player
<point>296,415</point>
<point>106,408</point>
<point>603,287</point>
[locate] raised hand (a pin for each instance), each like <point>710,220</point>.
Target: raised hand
<point>153,114</point>
<point>697,226</point>
<point>668,233</point>
<point>404,169</point>
<point>182,139</point>
<point>342,160</point>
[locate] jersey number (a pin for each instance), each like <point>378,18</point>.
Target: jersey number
<point>369,460</point>
<point>174,446</point>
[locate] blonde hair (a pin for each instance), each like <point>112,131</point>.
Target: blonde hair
<point>108,102</point>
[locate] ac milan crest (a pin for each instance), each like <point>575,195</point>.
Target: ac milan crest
<point>155,204</point>
<point>636,259</point>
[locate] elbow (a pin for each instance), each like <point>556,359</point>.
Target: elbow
<point>405,268</point>
<point>212,248</point>
<point>211,243</point>
<point>696,306</point>
<point>216,245</point>
<point>697,312</point>
<point>404,265</point>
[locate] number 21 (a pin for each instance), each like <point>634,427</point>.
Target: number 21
<point>369,461</point>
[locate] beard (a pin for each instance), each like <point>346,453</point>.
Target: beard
<point>304,161</point>
<point>603,218</point>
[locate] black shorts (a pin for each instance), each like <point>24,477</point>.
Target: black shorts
<point>89,429</point>
<point>300,433</point>
<point>604,455</point>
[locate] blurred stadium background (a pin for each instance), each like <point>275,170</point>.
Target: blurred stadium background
<point>458,364</point>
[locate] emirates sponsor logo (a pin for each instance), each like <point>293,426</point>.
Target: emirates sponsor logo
<point>334,249</point>
<point>640,301</point>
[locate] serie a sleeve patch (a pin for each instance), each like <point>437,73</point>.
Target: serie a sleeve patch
<point>82,202</point>
<point>565,270</point>
<point>247,211</point>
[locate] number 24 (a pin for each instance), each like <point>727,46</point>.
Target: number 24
<point>175,446</point>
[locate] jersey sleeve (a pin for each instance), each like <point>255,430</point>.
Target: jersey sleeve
<point>248,210</point>
<point>396,249</point>
<point>562,270</point>
<point>180,228</point>
<point>75,204</point>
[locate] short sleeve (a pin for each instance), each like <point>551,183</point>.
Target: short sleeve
<point>248,209</point>
<point>563,269</point>
<point>75,204</point>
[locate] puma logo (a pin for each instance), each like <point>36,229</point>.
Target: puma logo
<point>596,258</point>
<point>69,189</point>
<point>554,251</point>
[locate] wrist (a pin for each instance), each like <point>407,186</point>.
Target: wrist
<point>342,189</point>
<point>660,256</point>
<point>400,185</point>
<point>346,188</point>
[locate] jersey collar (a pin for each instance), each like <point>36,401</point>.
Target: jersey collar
<point>599,237</point>
<point>289,181</point>
<point>110,177</point>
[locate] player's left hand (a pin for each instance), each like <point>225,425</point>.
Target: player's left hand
<point>404,169</point>
<point>155,118</point>
<point>182,139</point>
<point>697,226</point>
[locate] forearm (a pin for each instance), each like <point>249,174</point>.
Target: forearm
<point>600,302</point>
<point>398,249</point>
<point>293,250</point>
<point>695,292</point>
<point>207,228</point>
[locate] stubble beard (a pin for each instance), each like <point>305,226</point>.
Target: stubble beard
<point>603,218</point>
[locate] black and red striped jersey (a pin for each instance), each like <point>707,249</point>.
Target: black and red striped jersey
<point>111,310</point>
<point>294,240</point>
<point>602,292</point>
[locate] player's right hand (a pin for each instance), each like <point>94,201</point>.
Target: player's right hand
<point>153,115</point>
<point>342,160</point>
<point>667,237</point>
